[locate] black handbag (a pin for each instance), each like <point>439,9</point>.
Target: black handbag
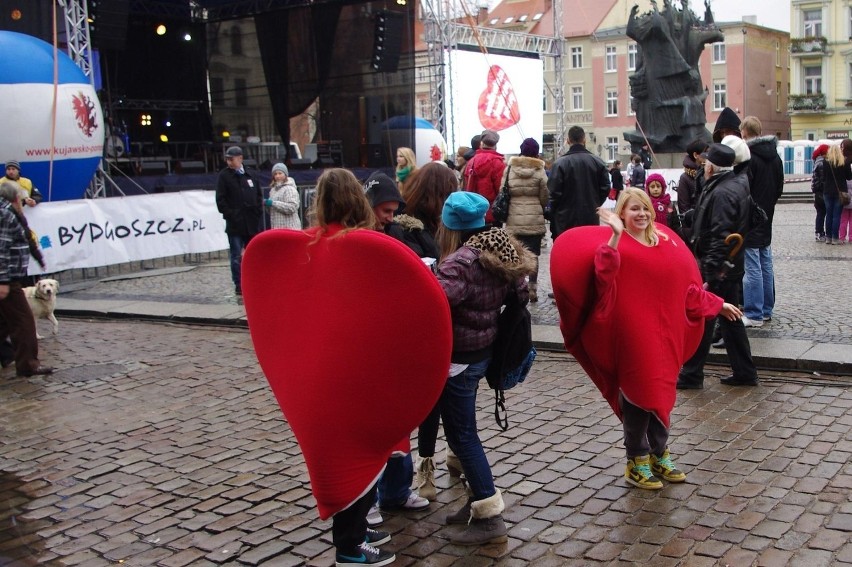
<point>500,207</point>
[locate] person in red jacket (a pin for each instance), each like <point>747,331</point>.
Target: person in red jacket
<point>484,172</point>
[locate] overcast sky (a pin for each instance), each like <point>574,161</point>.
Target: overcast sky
<point>770,13</point>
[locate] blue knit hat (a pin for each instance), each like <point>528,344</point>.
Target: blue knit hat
<point>464,210</point>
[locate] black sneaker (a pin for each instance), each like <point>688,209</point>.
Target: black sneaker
<point>238,290</point>
<point>375,537</point>
<point>732,381</point>
<point>367,555</point>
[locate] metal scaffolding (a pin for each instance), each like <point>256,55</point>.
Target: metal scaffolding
<point>443,33</point>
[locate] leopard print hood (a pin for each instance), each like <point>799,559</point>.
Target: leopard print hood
<point>502,254</point>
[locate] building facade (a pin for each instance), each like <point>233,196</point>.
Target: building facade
<point>821,69</point>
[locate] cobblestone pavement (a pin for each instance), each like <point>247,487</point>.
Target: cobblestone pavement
<point>814,295</point>
<point>161,444</point>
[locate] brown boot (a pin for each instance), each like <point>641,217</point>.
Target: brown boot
<point>424,478</point>
<point>486,524</point>
<point>461,516</point>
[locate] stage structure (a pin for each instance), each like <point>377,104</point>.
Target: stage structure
<point>449,26</point>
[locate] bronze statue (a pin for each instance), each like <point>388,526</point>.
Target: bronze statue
<point>668,95</point>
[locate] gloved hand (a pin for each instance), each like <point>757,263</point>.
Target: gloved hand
<point>268,202</point>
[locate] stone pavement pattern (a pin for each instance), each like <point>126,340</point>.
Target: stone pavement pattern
<point>159,444</point>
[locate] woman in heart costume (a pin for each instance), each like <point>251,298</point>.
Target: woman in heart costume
<point>319,305</point>
<point>632,309</point>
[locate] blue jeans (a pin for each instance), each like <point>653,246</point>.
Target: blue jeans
<point>758,284</point>
<point>395,482</point>
<point>833,208</point>
<point>236,243</point>
<point>458,411</point>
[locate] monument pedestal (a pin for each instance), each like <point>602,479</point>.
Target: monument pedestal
<point>668,160</point>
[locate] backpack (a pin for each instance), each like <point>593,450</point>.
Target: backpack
<point>513,353</point>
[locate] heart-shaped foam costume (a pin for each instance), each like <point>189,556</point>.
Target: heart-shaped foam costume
<point>632,337</point>
<point>353,333</point>
<point>498,103</point>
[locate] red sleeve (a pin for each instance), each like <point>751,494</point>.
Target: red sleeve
<point>607,263</point>
<point>701,304</point>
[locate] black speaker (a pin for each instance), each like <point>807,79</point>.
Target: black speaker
<point>32,17</point>
<point>108,23</point>
<point>387,41</point>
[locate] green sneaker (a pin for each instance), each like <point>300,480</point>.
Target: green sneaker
<point>665,468</point>
<point>638,473</point>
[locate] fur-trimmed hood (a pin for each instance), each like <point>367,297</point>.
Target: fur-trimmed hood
<point>524,166</point>
<point>408,222</point>
<point>502,254</point>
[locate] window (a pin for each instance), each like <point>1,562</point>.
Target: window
<point>611,64</point>
<point>612,103</point>
<point>813,22</point>
<point>537,17</point>
<point>810,135</point>
<point>509,20</point>
<point>577,57</point>
<point>630,111</point>
<point>719,53</point>
<point>720,95</point>
<point>240,94</point>
<point>236,41</point>
<point>576,98</point>
<point>778,96</point>
<point>523,18</point>
<point>217,91</point>
<point>813,79</point>
<point>777,53</point>
<point>494,21</point>
<point>423,107</point>
<point>850,23</point>
<point>632,54</point>
<point>612,148</point>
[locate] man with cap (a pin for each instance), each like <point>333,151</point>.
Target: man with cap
<point>484,172</point>
<point>579,183</point>
<point>723,209</point>
<point>13,173</point>
<point>240,200</point>
<point>386,201</point>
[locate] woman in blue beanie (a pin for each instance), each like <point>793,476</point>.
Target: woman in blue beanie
<point>479,267</point>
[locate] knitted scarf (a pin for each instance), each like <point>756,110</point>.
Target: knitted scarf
<point>402,174</point>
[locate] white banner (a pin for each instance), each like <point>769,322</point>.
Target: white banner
<point>89,233</point>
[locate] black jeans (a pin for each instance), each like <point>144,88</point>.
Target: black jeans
<point>644,434</point>
<point>819,205</point>
<point>736,340</point>
<point>349,526</point>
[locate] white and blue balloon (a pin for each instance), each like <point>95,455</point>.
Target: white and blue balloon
<point>27,117</point>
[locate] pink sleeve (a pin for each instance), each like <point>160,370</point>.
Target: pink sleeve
<point>701,304</point>
<point>607,263</point>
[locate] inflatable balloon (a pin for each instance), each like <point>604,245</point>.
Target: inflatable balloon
<point>429,144</point>
<point>26,117</point>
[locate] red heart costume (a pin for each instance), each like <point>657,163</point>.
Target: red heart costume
<point>328,319</point>
<point>633,321</point>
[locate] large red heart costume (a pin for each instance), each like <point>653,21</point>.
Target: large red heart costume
<point>354,334</point>
<point>635,338</point>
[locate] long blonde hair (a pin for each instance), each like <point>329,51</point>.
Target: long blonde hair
<point>651,235</point>
<point>835,156</point>
<point>408,155</point>
<point>341,200</point>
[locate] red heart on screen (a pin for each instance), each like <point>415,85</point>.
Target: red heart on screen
<point>351,379</point>
<point>498,105</point>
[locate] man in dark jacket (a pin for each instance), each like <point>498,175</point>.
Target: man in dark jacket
<point>723,209</point>
<point>240,200</point>
<point>766,182</point>
<point>484,172</point>
<point>578,185</point>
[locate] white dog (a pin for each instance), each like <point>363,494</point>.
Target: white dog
<point>42,300</point>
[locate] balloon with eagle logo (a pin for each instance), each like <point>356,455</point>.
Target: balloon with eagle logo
<point>27,98</point>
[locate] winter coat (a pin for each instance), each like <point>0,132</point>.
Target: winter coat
<point>284,211</point>
<point>766,182</point>
<point>723,208</point>
<point>528,190</point>
<point>834,178</point>
<point>476,278</point>
<point>578,185</point>
<point>14,251</point>
<point>687,191</point>
<point>637,177</point>
<point>411,232</point>
<point>240,200</point>
<point>483,175</point>
<point>616,179</point>
<point>662,205</point>
<point>817,176</point>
